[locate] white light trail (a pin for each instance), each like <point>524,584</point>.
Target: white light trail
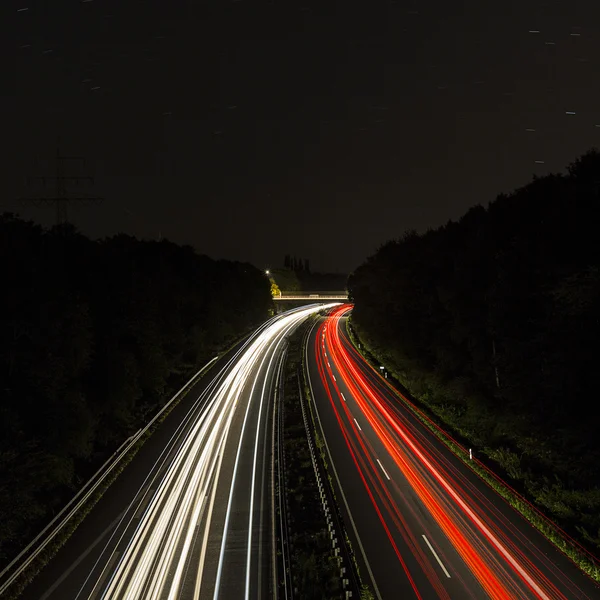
<point>154,560</point>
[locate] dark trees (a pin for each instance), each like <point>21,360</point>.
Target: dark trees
<point>93,337</point>
<point>492,322</point>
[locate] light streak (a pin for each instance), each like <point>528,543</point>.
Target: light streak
<point>151,562</point>
<point>498,555</point>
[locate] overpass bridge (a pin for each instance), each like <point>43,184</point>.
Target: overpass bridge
<point>327,296</point>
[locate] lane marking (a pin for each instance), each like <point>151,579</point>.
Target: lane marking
<point>143,504</point>
<point>343,397</point>
<point>217,474</point>
<point>81,557</point>
<point>333,377</point>
<point>361,430</point>
<point>100,583</point>
<point>225,533</point>
<point>436,556</point>
<point>273,347</point>
<point>349,512</point>
<point>384,471</point>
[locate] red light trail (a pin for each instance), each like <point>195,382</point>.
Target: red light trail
<point>482,537</point>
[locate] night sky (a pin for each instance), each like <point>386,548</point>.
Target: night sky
<point>251,129</point>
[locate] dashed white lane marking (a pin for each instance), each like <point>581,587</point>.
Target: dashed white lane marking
<point>384,471</point>
<point>436,557</point>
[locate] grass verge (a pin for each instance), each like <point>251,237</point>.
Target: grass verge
<point>314,568</point>
<point>44,557</point>
<point>551,530</point>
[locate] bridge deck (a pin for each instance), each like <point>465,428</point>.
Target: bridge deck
<point>315,297</point>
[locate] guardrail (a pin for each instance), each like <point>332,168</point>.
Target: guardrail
<point>315,297</point>
<point>37,545</point>
<point>334,526</point>
<point>286,572</point>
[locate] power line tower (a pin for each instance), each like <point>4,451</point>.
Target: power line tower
<point>61,198</point>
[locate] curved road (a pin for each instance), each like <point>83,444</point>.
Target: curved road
<point>423,524</point>
<point>195,522</point>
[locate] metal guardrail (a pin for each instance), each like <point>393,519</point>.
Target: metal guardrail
<point>33,549</point>
<point>315,297</point>
<point>288,588</point>
<point>339,546</point>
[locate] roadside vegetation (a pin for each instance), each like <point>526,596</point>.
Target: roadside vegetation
<point>296,276</point>
<point>95,338</point>
<point>491,324</point>
<point>314,569</point>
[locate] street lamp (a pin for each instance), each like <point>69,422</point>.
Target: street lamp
<point>267,272</point>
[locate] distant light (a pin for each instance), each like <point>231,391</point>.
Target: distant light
<point>267,272</point>
<point>570,112</point>
<point>382,367</point>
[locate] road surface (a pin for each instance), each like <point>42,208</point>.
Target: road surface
<point>422,523</point>
<point>189,517</point>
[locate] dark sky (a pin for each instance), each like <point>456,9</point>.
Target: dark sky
<point>254,128</point>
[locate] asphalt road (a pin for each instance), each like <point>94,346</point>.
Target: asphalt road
<point>189,516</point>
<point>423,524</point>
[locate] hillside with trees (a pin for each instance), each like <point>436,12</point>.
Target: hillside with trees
<point>94,336</point>
<point>493,323</point>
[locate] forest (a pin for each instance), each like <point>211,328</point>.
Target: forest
<point>94,336</point>
<point>492,322</point>
<point>296,276</point>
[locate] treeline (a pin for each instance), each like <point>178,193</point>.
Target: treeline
<point>493,322</point>
<point>94,335</point>
<point>289,280</point>
<point>293,263</point>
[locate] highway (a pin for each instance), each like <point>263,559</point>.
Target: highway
<point>196,522</point>
<point>423,524</point>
